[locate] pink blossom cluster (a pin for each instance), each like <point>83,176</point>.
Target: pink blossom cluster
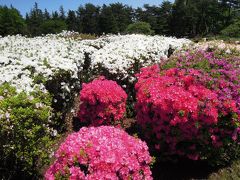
<point>103,102</point>
<point>101,153</point>
<point>178,114</point>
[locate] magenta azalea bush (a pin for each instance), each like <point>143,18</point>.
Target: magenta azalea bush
<point>221,74</point>
<point>103,102</point>
<point>181,116</point>
<point>101,152</point>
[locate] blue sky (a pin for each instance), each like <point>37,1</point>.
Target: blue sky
<point>25,5</point>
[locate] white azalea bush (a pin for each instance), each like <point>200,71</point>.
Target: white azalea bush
<point>123,55</point>
<point>23,59</point>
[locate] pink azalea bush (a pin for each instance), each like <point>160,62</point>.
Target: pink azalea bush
<point>180,116</point>
<point>101,152</point>
<point>103,102</point>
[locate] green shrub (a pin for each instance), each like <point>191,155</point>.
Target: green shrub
<point>11,21</point>
<point>139,28</point>
<point>25,131</point>
<point>233,30</point>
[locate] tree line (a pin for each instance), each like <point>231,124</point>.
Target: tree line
<point>183,18</point>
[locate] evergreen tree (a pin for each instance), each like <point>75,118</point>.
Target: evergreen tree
<point>11,22</point>
<point>188,18</point>
<point>71,21</point>
<point>164,17</point>
<point>35,20</point>
<point>149,15</point>
<point>46,15</point>
<point>62,13</point>
<point>140,28</point>
<point>229,8</point>
<point>53,26</point>
<point>195,17</point>
<point>178,21</point>
<point>88,16</point>
<point>55,15</point>
<point>107,21</point>
<point>122,15</point>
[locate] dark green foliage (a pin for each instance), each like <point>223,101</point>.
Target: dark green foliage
<point>164,18</point>
<point>232,30</point>
<point>62,13</point>
<point>107,21</point>
<point>72,21</point>
<point>148,15</point>
<point>34,20</point>
<point>122,14</point>
<point>88,16</point>
<point>11,22</point>
<point>157,16</point>
<point>139,28</point>
<point>46,15</point>
<point>53,26</point>
<point>196,17</point>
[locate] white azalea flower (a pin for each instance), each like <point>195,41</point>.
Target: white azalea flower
<point>23,59</point>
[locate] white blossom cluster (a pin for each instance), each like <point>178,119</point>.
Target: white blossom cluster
<point>22,59</point>
<point>119,53</point>
<point>218,44</point>
<point>65,33</point>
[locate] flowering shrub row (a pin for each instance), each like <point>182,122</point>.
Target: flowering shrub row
<point>103,102</point>
<point>180,116</point>
<point>101,152</point>
<point>23,59</point>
